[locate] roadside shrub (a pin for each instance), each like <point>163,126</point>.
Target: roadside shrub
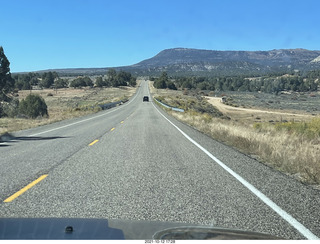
<point>33,106</point>
<point>257,126</point>
<point>81,82</point>
<point>60,83</point>
<point>310,129</point>
<point>10,109</point>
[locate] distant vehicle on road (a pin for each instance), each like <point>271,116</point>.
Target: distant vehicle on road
<point>146,99</point>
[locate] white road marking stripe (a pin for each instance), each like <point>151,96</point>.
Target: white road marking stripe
<point>81,121</point>
<point>292,221</point>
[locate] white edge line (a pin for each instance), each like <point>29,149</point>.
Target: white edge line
<point>292,221</point>
<point>81,121</point>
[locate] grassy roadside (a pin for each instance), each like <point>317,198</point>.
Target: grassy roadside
<point>290,147</point>
<point>67,103</point>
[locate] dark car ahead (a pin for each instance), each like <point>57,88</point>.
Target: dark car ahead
<point>146,99</point>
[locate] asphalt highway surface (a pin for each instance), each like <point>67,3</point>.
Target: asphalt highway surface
<point>135,162</point>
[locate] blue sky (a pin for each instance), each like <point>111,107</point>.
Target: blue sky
<point>49,34</point>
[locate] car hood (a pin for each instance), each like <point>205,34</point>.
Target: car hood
<point>103,229</point>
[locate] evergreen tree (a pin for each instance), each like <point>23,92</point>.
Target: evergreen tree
<point>88,81</point>
<point>133,81</point>
<point>161,82</point>
<point>100,82</point>
<point>48,79</point>
<point>33,106</point>
<point>112,73</point>
<point>122,78</point>
<point>6,81</point>
<point>171,85</point>
<point>60,83</point>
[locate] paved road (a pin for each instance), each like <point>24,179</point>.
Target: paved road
<point>148,166</point>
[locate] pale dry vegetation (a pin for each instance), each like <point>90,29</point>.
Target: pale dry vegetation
<point>66,103</point>
<point>288,152</point>
<point>290,147</point>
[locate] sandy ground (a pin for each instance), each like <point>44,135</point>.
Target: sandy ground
<point>256,114</point>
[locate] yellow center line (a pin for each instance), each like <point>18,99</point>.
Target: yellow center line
<point>93,142</point>
<point>9,199</point>
<point>112,129</point>
<point>121,122</point>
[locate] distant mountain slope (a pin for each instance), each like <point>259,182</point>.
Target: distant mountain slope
<point>233,62</point>
<point>265,58</point>
<point>178,61</point>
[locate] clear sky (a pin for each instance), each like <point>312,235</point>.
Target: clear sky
<point>49,34</point>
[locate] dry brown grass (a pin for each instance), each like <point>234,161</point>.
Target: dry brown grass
<point>66,103</point>
<point>289,153</point>
<point>249,115</point>
<point>292,153</point>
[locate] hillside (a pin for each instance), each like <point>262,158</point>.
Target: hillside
<point>282,57</point>
<point>186,61</point>
<point>180,60</point>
